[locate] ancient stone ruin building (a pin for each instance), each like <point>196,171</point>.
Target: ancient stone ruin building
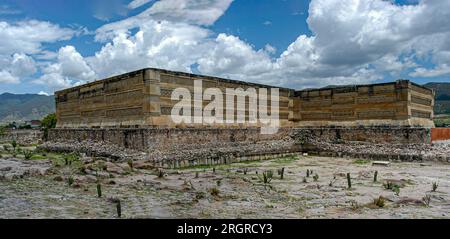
<point>142,99</point>
<point>133,111</point>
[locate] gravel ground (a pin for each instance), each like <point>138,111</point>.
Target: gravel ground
<point>228,192</point>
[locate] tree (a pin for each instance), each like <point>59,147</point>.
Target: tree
<point>49,122</point>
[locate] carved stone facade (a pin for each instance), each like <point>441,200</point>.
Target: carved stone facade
<point>142,99</point>
<point>401,103</point>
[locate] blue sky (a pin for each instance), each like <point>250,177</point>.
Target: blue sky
<point>290,43</point>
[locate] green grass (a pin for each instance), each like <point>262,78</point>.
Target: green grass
<point>38,157</point>
<point>361,161</point>
<point>287,159</point>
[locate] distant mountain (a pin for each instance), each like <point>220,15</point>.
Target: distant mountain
<point>20,108</point>
<point>442,90</point>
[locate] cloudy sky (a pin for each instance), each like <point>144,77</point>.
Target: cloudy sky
<point>48,45</point>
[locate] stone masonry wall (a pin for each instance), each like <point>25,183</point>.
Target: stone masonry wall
<point>169,139</point>
<point>22,136</point>
<point>378,135</point>
<point>149,139</point>
<point>400,103</point>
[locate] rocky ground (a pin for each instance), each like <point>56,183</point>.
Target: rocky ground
<point>65,186</point>
<point>438,151</point>
<point>188,152</point>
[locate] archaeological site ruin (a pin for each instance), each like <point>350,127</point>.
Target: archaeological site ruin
<point>133,111</point>
<point>143,99</point>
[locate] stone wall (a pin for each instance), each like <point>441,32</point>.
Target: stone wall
<point>173,139</point>
<point>148,139</point>
<point>113,102</point>
<point>143,98</point>
<point>379,135</point>
<point>400,103</point>
<point>22,136</point>
<point>173,148</point>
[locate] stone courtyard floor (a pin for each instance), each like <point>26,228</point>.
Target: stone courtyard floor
<point>228,191</point>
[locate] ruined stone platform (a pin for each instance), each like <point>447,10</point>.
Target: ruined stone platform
<point>185,147</point>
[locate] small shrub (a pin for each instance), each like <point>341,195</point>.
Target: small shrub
<point>267,176</point>
<point>426,200</point>
<point>281,173</point>
<point>245,171</point>
<point>82,170</point>
<point>349,181</point>
<point>28,154</point>
<point>70,181</point>
<point>70,158</point>
<point>379,202</point>
<point>214,191</point>
<point>393,187</point>
<point>434,186</point>
<point>307,173</point>
<point>305,180</point>
<point>388,185</point>
<point>375,177</point>
<point>99,190</point>
<point>130,163</point>
<point>219,183</point>
<point>199,195</point>
<point>161,173</point>
<point>396,190</point>
<point>316,177</point>
<point>14,144</point>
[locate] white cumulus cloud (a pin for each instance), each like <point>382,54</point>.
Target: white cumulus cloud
<point>351,42</point>
<point>197,12</point>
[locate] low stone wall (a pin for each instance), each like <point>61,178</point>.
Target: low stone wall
<point>186,147</point>
<point>22,136</point>
<point>173,147</point>
<point>380,135</point>
<point>148,139</point>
